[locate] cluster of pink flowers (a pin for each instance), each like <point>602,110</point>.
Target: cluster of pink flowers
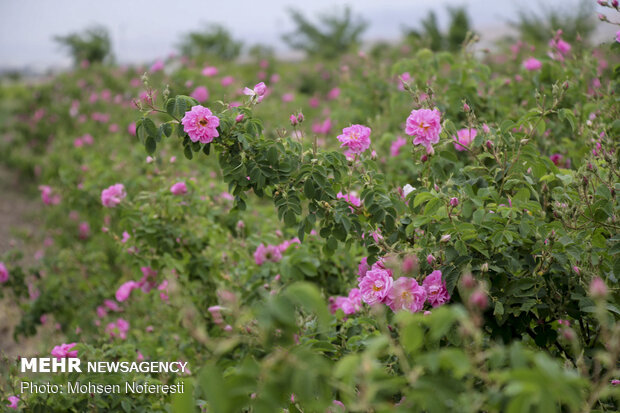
<point>64,351</point>
<point>273,253</point>
<point>355,138</point>
<point>118,328</point>
<point>425,126</point>
<point>201,124</point>
<point>350,304</point>
<point>47,195</point>
<point>377,285</point>
<point>86,139</point>
<point>4,273</point>
<point>464,138</point>
<point>113,195</point>
<point>108,305</point>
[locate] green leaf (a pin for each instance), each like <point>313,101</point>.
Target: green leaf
<point>567,114</point>
<point>166,129</point>
<point>187,151</point>
<point>150,145</point>
<point>421,198</point>
<point>183,402</point>
<point>411,337</point>
<point>289,218</point>
<point>309,297</point>
<point>149,127</point>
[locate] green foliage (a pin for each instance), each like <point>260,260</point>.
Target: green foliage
<point>334,36</point>
<point>431,36</point>
<point>215,40</point>
<point>92,45</point>
<point>575,20</point>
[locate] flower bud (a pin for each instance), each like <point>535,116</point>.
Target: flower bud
<point>598,289</point>
<point>454,201</point>
<point>430,259</point>
<point>568,334</point>
<point>468,281</point>
<point>479,300</point>
<point>466,107</point>
<point>410,264</point>
<point>293,120</point>
<point>484,267</point>
<point>300,117</point>
<point>445,238</point>
<point>489,145</point>
<point>239,118</point>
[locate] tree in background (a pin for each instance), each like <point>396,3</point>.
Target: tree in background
<point>335,35</point>
<point>215,40</point>
<point>92,45</point>
<point>574,20</point>
<point>431,36</point>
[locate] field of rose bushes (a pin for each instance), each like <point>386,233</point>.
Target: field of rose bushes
<point>402,231</point>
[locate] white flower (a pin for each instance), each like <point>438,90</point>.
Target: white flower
<point>407,189</point>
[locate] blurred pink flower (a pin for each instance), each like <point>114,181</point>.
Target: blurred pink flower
<point>64,351</point>
<point>396,145</point>
<point>267,253</point>
<point>113,195</point>
<point>124,291</point>
<point>179,188</point>
<point>227,81</point>
<point>13,402</point>
<point>532,64</point>
<point>201,94</point>
<point>209,71</point>
<point>4,273</point>
<point>47,197</point>
<point>464,138</point>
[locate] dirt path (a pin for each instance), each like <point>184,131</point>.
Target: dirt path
<point>18,212</point>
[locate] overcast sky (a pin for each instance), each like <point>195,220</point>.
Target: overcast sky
<point>143,30</point>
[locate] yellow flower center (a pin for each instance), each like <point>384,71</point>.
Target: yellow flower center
<point>203,122</point>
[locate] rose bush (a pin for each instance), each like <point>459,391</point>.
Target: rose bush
<point>454,248</point>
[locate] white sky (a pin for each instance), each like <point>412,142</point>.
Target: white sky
<point>143,30</point>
